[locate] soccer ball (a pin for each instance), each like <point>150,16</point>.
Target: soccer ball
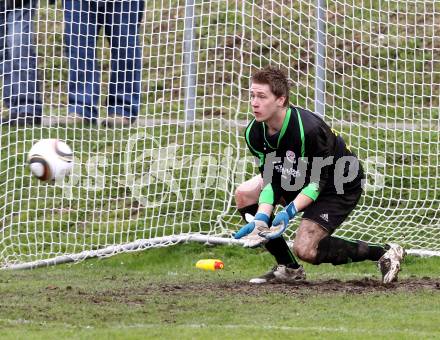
<point>50,159</point>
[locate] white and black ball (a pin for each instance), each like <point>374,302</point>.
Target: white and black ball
<point>50,159</point>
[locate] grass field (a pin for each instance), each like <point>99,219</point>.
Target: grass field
<point>160,294</point>
<point>168,179</point>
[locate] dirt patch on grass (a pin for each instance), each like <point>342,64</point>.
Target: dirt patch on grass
<point>141,293</point>
<point>363,286</point>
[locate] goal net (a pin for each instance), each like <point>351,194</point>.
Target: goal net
<point>371,68</point>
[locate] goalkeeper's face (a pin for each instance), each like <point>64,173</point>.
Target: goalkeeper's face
<point>265,105</point>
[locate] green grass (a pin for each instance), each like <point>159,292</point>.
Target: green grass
<point>380,66</point>
<point>160,294</point>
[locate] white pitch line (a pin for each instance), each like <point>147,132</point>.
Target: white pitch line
<point>291,328</point>
<point>228,326</point>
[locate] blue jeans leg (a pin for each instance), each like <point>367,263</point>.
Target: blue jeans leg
<point>122,23</point>
<point>2,37</point>
<point>21,88</point>
<point>82,24</point>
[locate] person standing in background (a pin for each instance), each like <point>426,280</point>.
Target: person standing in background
<point>18,63</point>
<point>120,21</point>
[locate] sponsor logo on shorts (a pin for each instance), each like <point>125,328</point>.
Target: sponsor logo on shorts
<point>324,217</point>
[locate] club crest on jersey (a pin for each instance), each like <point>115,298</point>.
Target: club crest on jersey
<point>290,155</point>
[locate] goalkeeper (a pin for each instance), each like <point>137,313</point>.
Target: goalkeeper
<point>307,168</point>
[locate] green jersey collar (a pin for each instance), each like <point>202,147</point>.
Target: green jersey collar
<point>282,132</point>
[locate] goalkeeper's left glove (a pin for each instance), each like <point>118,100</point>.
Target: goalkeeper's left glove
<point>281,221</point>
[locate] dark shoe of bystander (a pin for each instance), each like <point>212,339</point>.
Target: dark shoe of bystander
<point>117,122</point>
<point>74,118</point>
<point>21,121</point>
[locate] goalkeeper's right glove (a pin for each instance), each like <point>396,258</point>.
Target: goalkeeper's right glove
<point>248,228</point>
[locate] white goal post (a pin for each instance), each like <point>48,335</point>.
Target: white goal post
<point>370,68</point>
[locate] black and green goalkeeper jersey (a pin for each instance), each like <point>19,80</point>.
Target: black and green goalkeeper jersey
<point>286,158</point>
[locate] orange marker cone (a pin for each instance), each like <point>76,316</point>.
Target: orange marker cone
<point>210,264</point>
